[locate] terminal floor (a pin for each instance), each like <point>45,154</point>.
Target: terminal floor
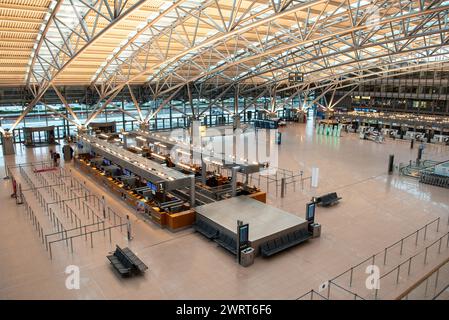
<point>376,211</point>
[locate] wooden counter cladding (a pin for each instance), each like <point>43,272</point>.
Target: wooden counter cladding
<point>260,196</point>
<point>173,221</point>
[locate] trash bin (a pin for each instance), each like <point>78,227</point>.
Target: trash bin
<point>247,257</point>
<point>315,228</point>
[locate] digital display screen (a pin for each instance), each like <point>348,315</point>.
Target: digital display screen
<point>106,162</point>
<point>244,233</point>
<point>126,172</point>
<point>153,187</point>
<point>310,213</point>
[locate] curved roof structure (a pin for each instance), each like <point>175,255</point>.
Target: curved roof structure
<point>111,44</point>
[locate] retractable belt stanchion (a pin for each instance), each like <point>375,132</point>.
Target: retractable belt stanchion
<point>391,164</point>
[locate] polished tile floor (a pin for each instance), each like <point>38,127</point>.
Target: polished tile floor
<point>376,210</point>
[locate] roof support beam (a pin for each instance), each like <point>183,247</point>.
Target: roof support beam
<point>64,101</point>
<point>48,83</point>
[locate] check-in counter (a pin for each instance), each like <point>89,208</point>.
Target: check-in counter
<point>260,196</point>
<point>113,185</point>
<point>157,216</point>
<point>155,190</point>
<point>181,220</point>
<point>174,221</point>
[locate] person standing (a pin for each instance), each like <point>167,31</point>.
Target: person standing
<point>420,153</point>
<point>67,152</point>
<point>56,158</point>
<point>53,158</point>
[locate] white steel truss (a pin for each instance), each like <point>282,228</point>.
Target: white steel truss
<point>249,46</point>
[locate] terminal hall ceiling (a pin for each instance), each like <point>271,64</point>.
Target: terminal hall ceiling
<point>110,45</point>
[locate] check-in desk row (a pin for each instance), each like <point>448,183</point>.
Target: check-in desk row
<point>136,197</point>
<point>218,188</point>
<point>113,165</point>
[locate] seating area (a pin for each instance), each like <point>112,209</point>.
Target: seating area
<point>205,229</point>
<point>327,200</point>
<point>272,247</point>
<point>227,242</point>
<point>126,262</point>
<point>434,180</point>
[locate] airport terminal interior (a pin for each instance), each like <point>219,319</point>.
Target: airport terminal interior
<point>230,149</point>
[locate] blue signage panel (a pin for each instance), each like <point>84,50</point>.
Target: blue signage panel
<point>244,233</point>
<point>310,211</point>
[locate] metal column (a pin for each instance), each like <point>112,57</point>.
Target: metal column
<point>234,180</point>
<point>192,191</point>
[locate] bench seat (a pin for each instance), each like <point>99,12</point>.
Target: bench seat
<point>328,199</point>
<point>205,229</point>
<point>119,266</point>
<point>126,262</point>
<point>227,242</point>
<point>277,245</point>
<point>142,267</point>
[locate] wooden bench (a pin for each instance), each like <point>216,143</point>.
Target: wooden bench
<point>327,200</point>
<point>277,245</point>
<point>126,262</point>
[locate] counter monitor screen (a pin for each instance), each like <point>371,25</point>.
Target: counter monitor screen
<point>126,172</point>
<point>106,162</point>
<point>153,187</point>
<point>310,211</point>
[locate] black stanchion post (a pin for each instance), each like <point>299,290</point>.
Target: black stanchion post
<point>391,164</point>
<point>103,200</point>
<point>128,227</point>
<point>283,186</point>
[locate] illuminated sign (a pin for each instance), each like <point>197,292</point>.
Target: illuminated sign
<point>244,233</point>
<point>310,211</point>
